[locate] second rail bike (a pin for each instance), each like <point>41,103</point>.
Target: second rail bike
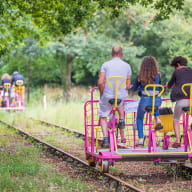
<point>12,97</point>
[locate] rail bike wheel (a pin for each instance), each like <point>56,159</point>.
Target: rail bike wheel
<point>91,162</point>
<point>104,168</point>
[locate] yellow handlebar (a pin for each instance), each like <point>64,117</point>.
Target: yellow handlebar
<point>116,80</point>
<point>190,94</point>
<point>186,85</point>
<point>154,86</point>
<point>116,85</point>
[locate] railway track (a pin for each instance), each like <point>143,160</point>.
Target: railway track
<point>75,132</point>
<point>143,175</point>
<point>184,170</point>
<point>113,181</point>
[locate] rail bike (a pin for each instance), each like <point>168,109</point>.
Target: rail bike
<point>12,97</point>
<point>157,143</point>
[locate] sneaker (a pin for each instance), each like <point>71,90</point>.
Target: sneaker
<point>105,142</point>
<point>176,145</point>
<point>158,126</point>
<point>121,124</point>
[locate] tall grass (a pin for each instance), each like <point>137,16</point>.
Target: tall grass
<point>58,110</point>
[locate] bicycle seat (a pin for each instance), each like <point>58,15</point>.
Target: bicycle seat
<point>165,111</point>
<point>149,109</point>
<point>112,101</point>
<point>186,109</point>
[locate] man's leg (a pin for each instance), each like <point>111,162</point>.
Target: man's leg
<point>121,111</point>
<point>176,119</point>
<point>103,122</point>
<point>121,122</point>
<point>176,125</point>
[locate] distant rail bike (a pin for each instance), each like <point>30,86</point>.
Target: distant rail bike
<point>12,97</point>
<point>157,144</point>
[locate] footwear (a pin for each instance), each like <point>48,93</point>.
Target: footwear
<point>105,142</point>
<point>140,143</point>
<point>123,140</point>
<point>176,145</point>
<point>121,124</point>
<point>158,126</point>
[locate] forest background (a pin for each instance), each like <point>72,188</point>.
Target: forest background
<point>64,43</point>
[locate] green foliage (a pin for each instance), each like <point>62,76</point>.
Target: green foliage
<point>20,19</point>
<point>15,26</point>
<point>95,51</point>
<point>162,39</point>
<point>89,47</point>
<point>23,168</point>
<point>34,62</point>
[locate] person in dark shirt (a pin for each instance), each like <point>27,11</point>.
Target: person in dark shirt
<point>180,76</point>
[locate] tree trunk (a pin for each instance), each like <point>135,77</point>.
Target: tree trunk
<point>69,70</point>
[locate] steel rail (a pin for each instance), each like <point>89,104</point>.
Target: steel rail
<point>62,154</point>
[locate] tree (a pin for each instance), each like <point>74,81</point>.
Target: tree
<point>161,39</point>
<point>81,53</point>
<point>23,60</point>
<point>20,19</point>
<point>95,51</point>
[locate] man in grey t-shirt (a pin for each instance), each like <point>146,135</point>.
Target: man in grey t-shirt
<point>115,67</point>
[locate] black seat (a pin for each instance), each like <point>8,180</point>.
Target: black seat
<point>165,111</point>
<point>149,109</point>
<point>186,109</point>
<point>112,101</point>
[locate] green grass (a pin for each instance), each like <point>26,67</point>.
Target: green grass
<point>23,170</point>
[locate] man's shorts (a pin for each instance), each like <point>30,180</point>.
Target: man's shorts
<point>105,107</point>
<point>178,110</point>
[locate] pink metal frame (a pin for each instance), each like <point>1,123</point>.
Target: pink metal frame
<point>90,148</point>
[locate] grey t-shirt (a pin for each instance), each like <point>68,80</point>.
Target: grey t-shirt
<point>116,67</point>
